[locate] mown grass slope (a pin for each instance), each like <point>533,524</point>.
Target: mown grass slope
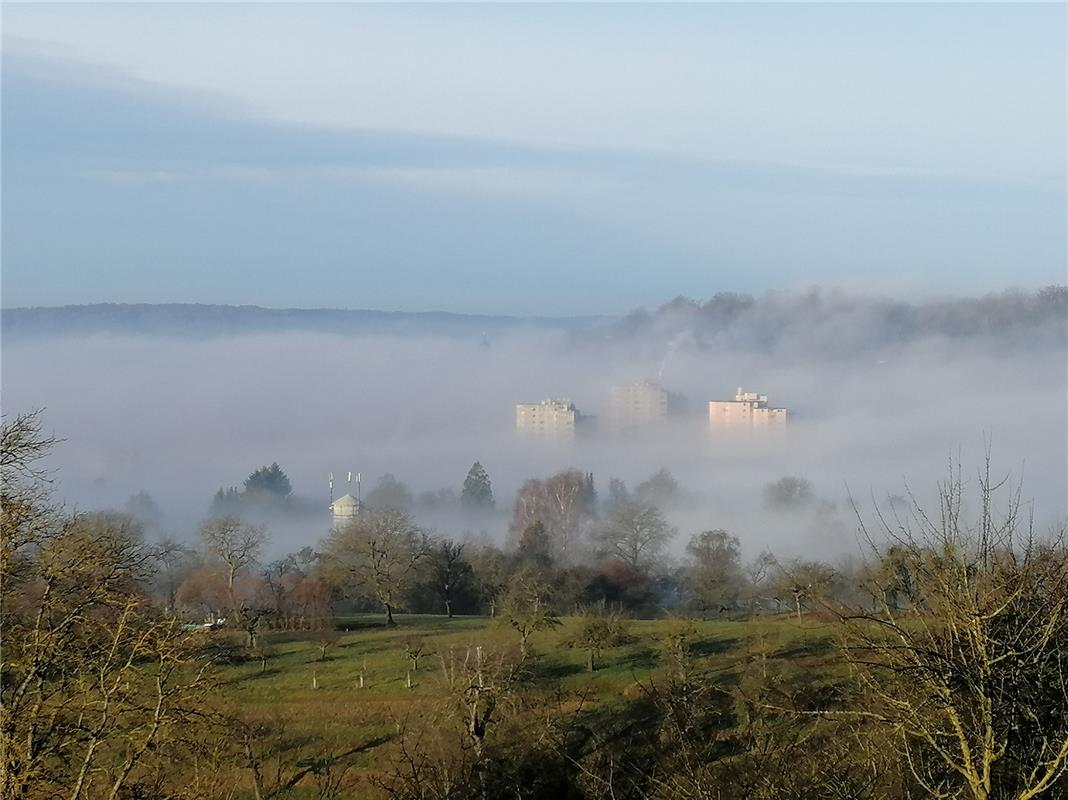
<point>321,704</point>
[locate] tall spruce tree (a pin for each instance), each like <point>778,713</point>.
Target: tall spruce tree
<point>478,490</point>
<point>271,481</point>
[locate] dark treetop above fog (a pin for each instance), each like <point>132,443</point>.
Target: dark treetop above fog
<point>817,322</point>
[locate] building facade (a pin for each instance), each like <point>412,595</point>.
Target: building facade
<point>747,411</point>
<point>552,418</point>
<point>639,404</point>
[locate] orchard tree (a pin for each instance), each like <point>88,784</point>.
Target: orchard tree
<point>234,542</point>
<point>204,592</point>
<point>252,606</point>
<point>635,533</point>
<point>760,574</point>
<point>599,629</point>
<point>175,560</point>
<point>492,574</point>
<point>481,684</point>
<point>326,636</point>
<point>477,493</point>
<point>804,581</point>
<point>450,572</point>
<point>376,555</point>
<point>526,609</point>
<point>715,574</point>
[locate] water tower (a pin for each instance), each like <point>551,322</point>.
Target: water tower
<point>347,507</point>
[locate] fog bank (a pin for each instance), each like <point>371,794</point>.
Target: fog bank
<point>181,418</point>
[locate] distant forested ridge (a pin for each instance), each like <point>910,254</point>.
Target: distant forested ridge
<point>818,322</point>
<point>831,323</point>
<point>198,320</point>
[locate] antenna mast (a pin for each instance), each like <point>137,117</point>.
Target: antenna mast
<point>331,489</point>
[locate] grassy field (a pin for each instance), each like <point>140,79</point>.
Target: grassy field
<point>320,702</point>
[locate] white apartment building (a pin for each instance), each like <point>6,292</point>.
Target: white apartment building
<point>639,404</point>
<point>552,418</point>
<point>747,411</point>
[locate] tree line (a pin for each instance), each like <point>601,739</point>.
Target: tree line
<point>580,547</point>
<point>947,671</point>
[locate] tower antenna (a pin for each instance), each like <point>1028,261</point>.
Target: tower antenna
<point>331,489</point>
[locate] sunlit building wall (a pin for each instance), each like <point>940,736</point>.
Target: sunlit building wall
<point>552,418</point>
<point>747,411</point>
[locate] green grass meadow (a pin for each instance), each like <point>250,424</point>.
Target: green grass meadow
<point>321,701</point>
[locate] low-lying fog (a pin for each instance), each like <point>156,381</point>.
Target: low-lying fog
<point>181,418</point>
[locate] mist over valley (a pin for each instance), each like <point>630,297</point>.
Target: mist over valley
<point>878,393</point>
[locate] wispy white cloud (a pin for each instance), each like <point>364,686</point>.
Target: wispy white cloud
<point>508,181</point>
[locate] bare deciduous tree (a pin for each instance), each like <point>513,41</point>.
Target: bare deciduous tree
<point>599,629</point>
<point>175,560</point>
<point>95,684</point>
<point>479,682</point>
<point>377,554</point>
<point>526,609</point>
<point>280,763</point>
<point>973,678</point>
<point>635,533</point>
<point>234,542</point>
<point>449,570</point>
<point>803,581</point>
<point>561,503</point>
<point>326,636</point>
<point>716,573</point>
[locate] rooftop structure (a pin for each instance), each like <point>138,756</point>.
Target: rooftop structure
<point>747,411</point>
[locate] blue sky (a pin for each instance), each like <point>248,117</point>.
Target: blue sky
<point>528,159</point>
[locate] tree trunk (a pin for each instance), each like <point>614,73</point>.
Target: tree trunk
<point>797,601</point>
<point>389,616</point>
<point>448,607</point>
<point>254,768</point>
<point>589,661</point>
